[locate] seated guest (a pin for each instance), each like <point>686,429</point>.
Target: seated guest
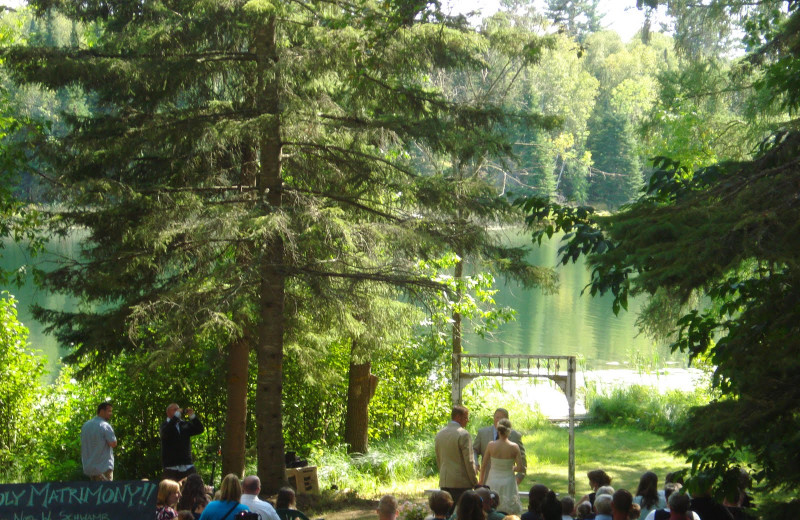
<point>597,479</point>
<point>567,508</point>
<point>602,507</point>
<point>285,505</point>
<point>551,508</point>
<point>536,497</point>
<point>441,503</point>
<point>583,511</point>
<point>251,487</point>
<point>387,508</point>
<point>185,515</point>
<point>704,505</point>
<point>168,494</point>
<point>227,506</point>
<point>470,507</point>
<point>635,512</point>
<point>679,507</point>
<point>621,504</point>
<point>487,502</point>
<point>194,495</point>
<point>647,495</point>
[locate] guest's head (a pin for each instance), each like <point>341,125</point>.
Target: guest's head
<point>602,504</point>
<point>605,490</point>
<point>185,515</point>
<point>597,478</point>
<point>634,512</point>
<point>440,502</point>
<point>460,414</point>
<point>168,493</point>
<point>679,503</point>
<point>675,477</point>
<point>286,498</point>
<point>251,485</point>
<point>486,498</point>
<point>567,505</point>
<point>621,504</point>
<point>387,508</point>
<point>670,488</point>
<point>495,498</point>
<point>583,510</point>
<point>193,491</point>
<point>551,508</point>
<point>231,488</point>
<point>536,497</point>
<point>470,506</point>
<point>648,489</point>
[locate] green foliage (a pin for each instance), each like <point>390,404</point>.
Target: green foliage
<point>728,231</point>
<point>389,462</point>
<point>21,372</point>
<point>642,407</point>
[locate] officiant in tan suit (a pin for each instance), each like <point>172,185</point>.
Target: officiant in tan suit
<point>489,434</point>
<point>454,455</point>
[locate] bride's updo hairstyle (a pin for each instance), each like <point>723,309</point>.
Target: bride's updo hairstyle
<point>504,427</point>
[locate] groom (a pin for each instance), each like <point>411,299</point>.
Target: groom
<point>454,457</point>
<point>489,434</point>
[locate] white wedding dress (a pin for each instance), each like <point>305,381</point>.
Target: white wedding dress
<point>502,480</point>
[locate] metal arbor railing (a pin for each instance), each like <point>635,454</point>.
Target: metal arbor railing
<point>561,369</point>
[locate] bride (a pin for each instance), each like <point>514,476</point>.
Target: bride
<point>502,459</point>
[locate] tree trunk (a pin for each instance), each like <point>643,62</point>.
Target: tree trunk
<point>233,446</point>
<point>269,349</point>
<point>456,381</point>
<point>237,377</point>
<point>360,389</point>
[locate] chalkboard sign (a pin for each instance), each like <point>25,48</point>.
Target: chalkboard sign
<point>123,500</point>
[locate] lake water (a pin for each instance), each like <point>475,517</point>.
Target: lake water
<point>568,323</point>
<point>564,323</point>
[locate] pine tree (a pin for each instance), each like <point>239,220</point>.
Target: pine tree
<point>242,153</point>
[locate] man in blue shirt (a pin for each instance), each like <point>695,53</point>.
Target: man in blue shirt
<point>97,445</point>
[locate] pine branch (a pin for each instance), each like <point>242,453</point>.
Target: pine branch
<point>306,144</point>
<point>350,202</point>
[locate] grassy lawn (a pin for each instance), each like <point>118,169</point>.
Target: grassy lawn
<point>624,453</point>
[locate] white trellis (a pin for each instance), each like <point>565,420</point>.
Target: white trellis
<point>561,369</point>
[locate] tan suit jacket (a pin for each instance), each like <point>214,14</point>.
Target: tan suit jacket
<point>454,457</point>
<point>486,435</point>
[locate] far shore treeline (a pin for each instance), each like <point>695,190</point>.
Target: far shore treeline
<point>277,200</point>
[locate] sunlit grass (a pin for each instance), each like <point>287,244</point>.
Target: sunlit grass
<point>624,453</point>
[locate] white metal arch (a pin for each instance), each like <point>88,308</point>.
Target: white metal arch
<point>561,369</point>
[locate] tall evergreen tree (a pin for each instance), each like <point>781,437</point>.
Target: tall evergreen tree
<point>244,151</point>
<point>579,18</point>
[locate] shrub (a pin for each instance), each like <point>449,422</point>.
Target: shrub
<point>643,407</point>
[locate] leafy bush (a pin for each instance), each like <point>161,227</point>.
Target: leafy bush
<point>643,407</point>
<point>20,384</point>
<point>388,461</point>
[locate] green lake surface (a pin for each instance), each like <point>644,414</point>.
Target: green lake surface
<point>564,323</point>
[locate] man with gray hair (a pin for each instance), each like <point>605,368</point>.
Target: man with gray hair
<point>387,508</point>
<point>251,487</point>
<point>602,505</point>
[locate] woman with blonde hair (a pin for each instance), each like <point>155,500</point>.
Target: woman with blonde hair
<point>227,506</point>
<point>502,459</point>
<point>169,492</point>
